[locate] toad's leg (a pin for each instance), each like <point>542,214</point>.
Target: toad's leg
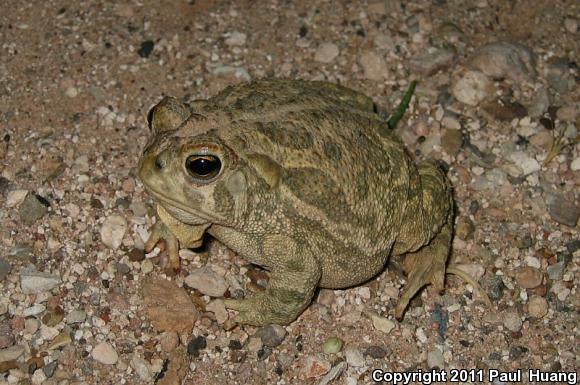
<point>174,233</point>
<point>295,275</point>
<point>426,236</point>
<point>426,266</point>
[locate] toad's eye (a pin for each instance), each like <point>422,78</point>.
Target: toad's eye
<point>204,167</point>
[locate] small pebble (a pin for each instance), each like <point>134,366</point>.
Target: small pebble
<point>239,356</point>
<point>529,277</point>
<point>271,335</point>
<point>238,72</point>
<point>34,282</point>
<point>5,268</point>
<point>451,141</point>
<point>435,359</point>
<point>76,316</point>
<point>38,377</point>
<point>53,317</point>
<point>512,320</point>
<point>6,185</point>
<point>384,41</point>
<point>313,367</point>
<point>465,228</point>
<point>382,324</point>
<point>562,210</point>
<point>376,352</point>
<point>236,39</point>
<point>421,336</point>
<point>168,306</point>
<point>568,113</point>
<point>575,165</point>
<point>113,230</point>
<point>146,48</point>
<point>431,61</point>
<point>332,345</point>
<point>556,271</point>
<point>105,354</point>
<point>11,353</point>
<point>264,353</point>
<point>504,59</point>
<point>539,103</point>
<point>561,291</point>
<point>32,209</point>
<point>7,338</point>
<point>333,374</point>
<point>254,344</point>
<point>573,246</point>
<point>31,325</point>
<point>505,111</point>
<point>195,345</point>
<point>354,357</point>
<point>50,368</point>
<point>147,266</point>
<point>350,381</point>
<point>571,25</point>
<point>71,92</point>
<point>451,123</point>
<point>326,52</point>
<point>537,307</point>
<point>207,282</point>
<point>141,367</point>
<point>136,255</point>
<point>15,198</point>
<point>373,65</point>
<point>218,308</point>
<point>527,164</point>
<point>234,345</point>
<point>472,88</point>
<point>122,268</point>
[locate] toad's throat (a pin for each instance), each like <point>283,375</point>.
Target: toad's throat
<point>193,217</point>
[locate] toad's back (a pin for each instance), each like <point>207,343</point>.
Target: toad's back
<point>346,177</point>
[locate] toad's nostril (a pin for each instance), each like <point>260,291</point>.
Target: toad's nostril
<point>160,162</point>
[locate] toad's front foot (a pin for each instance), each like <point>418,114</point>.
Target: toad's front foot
<point>273,306</point>
<point>161,232</point>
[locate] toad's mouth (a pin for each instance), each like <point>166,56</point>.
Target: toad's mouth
<point>178,209</point>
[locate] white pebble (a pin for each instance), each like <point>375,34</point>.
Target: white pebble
<point>421,336</point>
<point>236,39</point>
<point>326,52</point>
<point>472,88</point>
<point>71,92</point>
<point>15,198</point>
<point>537,307</point>
<point>382,324</point>
<point>207,282</point>
<point>512,321</point>
<point>105,354</point>
<point>113,230</point>
<point>575,165</point>
<point>354,357</point>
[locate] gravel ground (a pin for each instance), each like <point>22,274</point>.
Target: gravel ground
<point>497,101</point>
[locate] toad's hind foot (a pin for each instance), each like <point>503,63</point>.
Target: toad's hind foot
<point>426,266</point>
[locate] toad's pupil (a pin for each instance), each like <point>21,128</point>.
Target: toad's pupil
<point>205,167</point>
